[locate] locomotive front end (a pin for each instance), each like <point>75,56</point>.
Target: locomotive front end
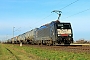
<point>64,33</point>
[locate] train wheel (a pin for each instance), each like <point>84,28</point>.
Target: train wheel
<point>40,42</point>
<point>54,43</point>
<point>49,42</point>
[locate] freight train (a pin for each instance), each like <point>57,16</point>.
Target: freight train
<point>52,33</point>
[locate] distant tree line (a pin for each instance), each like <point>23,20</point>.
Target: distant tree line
<point>82,41</point>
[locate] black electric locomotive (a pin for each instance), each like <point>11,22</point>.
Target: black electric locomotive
<point>55,32</point>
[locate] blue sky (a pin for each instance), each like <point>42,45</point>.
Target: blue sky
<point>25,15</point>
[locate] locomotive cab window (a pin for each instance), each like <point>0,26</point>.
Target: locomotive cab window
<point>64,26</point>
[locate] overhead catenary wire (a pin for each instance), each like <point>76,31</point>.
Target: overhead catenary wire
<point>78,13</point>
<point>17,29</point>
<point>69,4</point>
<point>60,9</point>
<point>63,8</point>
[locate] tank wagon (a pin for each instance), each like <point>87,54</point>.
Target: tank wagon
<point>30,36</point>
<point>21,38</point>
<point>13,40</point>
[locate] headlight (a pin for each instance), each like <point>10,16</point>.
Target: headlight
<point>69,35</point>
<point>58,35</point>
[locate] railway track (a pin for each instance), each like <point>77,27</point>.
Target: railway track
<point>69,48</point>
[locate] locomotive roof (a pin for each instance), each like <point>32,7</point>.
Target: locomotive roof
<point>53,22</point>
<point>57,21</point>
